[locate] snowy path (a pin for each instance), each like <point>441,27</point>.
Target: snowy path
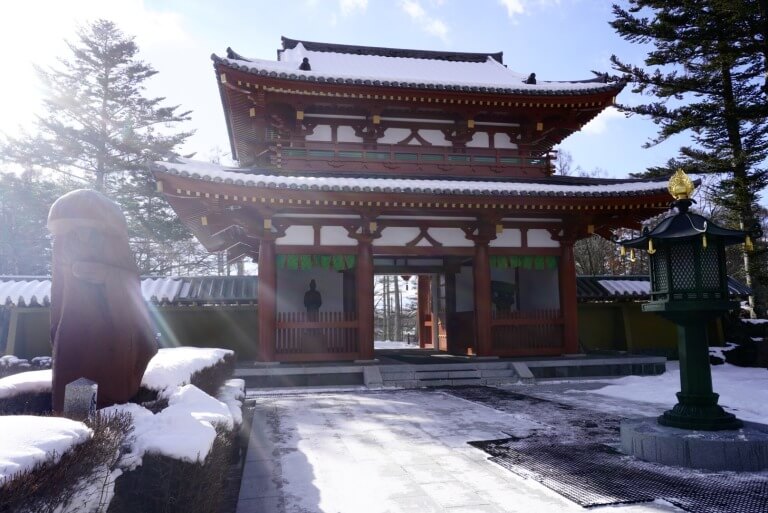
<point>389,452</point>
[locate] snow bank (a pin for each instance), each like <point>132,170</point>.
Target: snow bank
<point>183,431</point>
<point>31,382</point>
<point>755,321</point>
<point>743,390</point>
<point>232,394</point>
<point>27,440</point>
<point>12,361</point>
<point>172,367</point>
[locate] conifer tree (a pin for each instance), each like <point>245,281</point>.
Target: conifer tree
<point>708,79</point>
<point>99,125</point>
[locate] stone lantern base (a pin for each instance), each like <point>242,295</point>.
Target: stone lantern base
<point>744,450</point>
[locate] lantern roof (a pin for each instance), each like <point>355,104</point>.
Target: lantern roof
<point>685,225</point>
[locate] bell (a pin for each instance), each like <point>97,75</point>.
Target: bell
<point>651,250</point>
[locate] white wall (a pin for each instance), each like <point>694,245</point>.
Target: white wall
<point>509,238</point>
<point>501,140</point>
<point>291,286</point>
<point>321,133</point>
<point>540,238</point>
<point>347,134</point>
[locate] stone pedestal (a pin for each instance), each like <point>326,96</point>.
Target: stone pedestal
<point>744,450</point>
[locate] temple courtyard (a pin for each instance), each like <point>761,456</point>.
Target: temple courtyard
<point>549,446</point>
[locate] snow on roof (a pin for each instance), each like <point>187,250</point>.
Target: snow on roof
<point>627,287</point>
<point>172,367</point>
<point>488,75</point>
<point>210,172</point>
<point>36,290</point>
<point>28,440</point>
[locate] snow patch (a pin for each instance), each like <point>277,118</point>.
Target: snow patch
<point>755,321</point>
<point>172,367</point>
<point>28,440</point>
<point>31,382</point>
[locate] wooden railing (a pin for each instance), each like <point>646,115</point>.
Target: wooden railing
<point>439,158</point>
<point>523,333</point>
<point>331,334</point>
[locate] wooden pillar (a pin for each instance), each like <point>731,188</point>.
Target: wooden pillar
<point>267,297</point>
<point>482,289</point>
<point>423,301</point>
<point>450,310</point>
<point>364,279</point>
<point>568,306</point>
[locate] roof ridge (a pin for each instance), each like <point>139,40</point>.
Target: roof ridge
<point>314,46</point>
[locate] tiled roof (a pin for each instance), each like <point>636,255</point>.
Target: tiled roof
<point>606,288</point>
<point>570,186</point>
<point>36,290</point>
<point>414,69</point>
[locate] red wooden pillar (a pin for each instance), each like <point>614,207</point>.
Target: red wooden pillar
<point>364,278</point>
<point>424,310</point>
<point>267,297</point>
<point>482,289</point>
<point>568,307</point>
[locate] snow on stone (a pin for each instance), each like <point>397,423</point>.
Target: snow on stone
<point>172,367</point>
<point>12,361</point>
<point>213,172</point>
<point>232,393</point>
<point>743,390</point>
<point>28,440</point>
<point>755,321</point>
<point>490,73</point>
<point>30,382</point>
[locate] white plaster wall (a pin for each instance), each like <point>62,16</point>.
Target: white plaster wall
<point>347,134</point>
<point>451,237</point>
<point>509,238</point>
<point>465,295</point>
<point>291,286</point>
<point>297,235</point>
<point>435,137</point>
<point>539,289</point>
<point>539,238</point>
<point>321,133</point>
<point>394,135</point>
<point>335,236</point>
<point>501,140</point>
<point>479,140</point>
<point>396,236</point>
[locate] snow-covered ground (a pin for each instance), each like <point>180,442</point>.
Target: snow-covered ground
<point>393,344</point>
<point>406,450</point>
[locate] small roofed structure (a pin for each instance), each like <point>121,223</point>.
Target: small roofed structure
<point>407,162</point>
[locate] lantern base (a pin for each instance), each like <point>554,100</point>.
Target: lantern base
<point>699,412</point>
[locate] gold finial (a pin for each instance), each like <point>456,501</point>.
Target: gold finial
<point>680,186</point>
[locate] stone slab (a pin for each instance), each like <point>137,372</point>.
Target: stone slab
<point>372,377</point>
<point>743,450</point>
<point>523,372</point>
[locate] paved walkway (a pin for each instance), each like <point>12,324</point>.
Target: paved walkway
<point>388,452</point>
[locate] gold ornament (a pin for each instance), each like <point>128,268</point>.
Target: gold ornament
<point>680,186</point>
<point>748,244</point>
<point>623,251</point>
<point>651,250</point>
<point>704,241</point>
<point>632,255</point>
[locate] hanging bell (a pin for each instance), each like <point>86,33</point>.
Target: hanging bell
<point>623,251</point>
<point>651,250</point>
<point>704,241</point>
<point>632,255</point>
<point>748,244</point>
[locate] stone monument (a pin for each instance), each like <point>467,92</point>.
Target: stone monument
<point>100,325</point>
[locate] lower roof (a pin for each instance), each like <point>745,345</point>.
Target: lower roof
<point>553,186</point>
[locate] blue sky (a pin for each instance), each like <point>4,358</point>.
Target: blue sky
<point>556,39</point>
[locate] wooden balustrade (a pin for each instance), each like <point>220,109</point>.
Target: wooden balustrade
<point>404,157</point>
<point>522,333</point>
<point>328,335</point>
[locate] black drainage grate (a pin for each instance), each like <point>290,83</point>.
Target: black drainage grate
<point>598,475</point>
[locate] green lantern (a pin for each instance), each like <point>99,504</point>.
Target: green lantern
<point>689,286</point>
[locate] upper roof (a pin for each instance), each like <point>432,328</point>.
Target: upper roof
<point>392,67</point>
<point>551,186</point>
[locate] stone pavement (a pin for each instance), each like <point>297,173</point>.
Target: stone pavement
<point>387,452</point>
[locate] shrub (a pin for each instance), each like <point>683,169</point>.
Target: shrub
<point>79,473</point>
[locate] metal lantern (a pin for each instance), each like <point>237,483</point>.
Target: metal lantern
<point>689,286</point>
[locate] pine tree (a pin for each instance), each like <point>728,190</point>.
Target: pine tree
<point>709,83</point>
<point>99,125</point>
